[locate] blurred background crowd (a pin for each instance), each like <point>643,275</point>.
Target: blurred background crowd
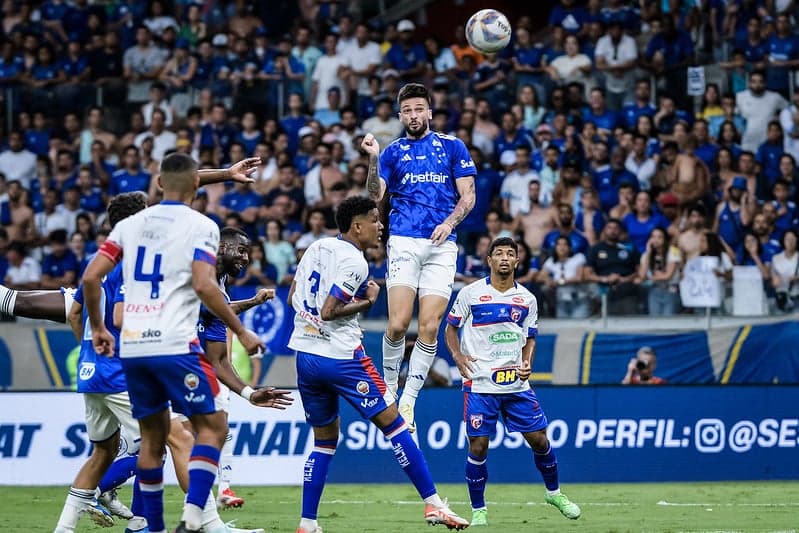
<point>590,148</point>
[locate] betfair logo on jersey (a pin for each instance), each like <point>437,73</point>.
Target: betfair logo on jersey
<point>504,337</point>
<point>134,335</point>
<point>504,376</point>
<point>426,177</point>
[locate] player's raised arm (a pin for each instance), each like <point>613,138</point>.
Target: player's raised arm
<point>374,183</point>
<point>240,306</point>
<point>462,208</point>
<point>239,172</point>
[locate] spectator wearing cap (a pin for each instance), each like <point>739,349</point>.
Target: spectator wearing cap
<point>616,55</point>
<point>178,74</point>
<point>385,126</point>
<point>331,113</point>
<point>514,190</point>
<point>305,150</point>
<point>59,267</point>
<point>143,63</point>
<point>330,69</point>
<point>220,74</point>
<point>669,206</point>
<point>391,84</point>
<point>406,56</point>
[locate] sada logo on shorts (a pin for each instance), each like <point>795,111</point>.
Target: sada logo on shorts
<point>476,421</point>
<point>191,380</point>
<point>362,387</point>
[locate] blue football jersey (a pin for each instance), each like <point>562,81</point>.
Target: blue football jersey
<point>210,327</point>
<point>98,373</point>
<point>420,177</point>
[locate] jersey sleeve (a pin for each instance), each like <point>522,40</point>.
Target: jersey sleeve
<point>385,165</point>
<point>112,247</point>
<point>206,242</point>
<point>462,163</point>
<point>78,296</point>
<point>350,275</point>
<point>461,310</point>
<point>531,321</point>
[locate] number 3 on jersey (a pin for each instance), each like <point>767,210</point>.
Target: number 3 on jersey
<point>154,276</point>
<point>312,290</point>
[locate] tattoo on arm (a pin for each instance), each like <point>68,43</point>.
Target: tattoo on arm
<point>373,180</point>
<point>464,205</point>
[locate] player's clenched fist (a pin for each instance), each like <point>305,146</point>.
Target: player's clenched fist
<point>372,291</point>
<point>263,295</point>
<point>370,145</point>
<point>103,341</point>
<point>251,342</point>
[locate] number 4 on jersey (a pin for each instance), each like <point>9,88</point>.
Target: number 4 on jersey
<point>154,276</point>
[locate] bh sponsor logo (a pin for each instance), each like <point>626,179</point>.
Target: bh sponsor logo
<point>504,376</point>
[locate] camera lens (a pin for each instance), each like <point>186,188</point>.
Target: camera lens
<point>640,365</point>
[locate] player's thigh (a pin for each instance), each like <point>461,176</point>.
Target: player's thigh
<point>119,404</point>
<point>432,308</point>
<point>360,384</point>
<point>405,256</point>
<point>101,423</point>
<point>319,397</point>
<point>147,393</point>
<point>222,398</point>
<point>438,270</point>
<point>522,412</point>
<point>480,412</point>
<point>190,383</point>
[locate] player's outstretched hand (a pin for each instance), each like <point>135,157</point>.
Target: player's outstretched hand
<point>240,171</point>
<point>103,341</point>
<point>251,342</point>
<point>440,233</point>
<point>263,295</point>
<point>524,371</point>
<point>464,363</point>
<point>271,397</point>
<point>370,145</point>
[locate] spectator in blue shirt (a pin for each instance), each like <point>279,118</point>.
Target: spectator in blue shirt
<point>294,121</point>
<point>406,56</point>
<point>12,67</point>
<point>642,104</point>
<point>603,118</point>
<point>42,78</point>
<point>783,56</point>
<point>217,132</point>
<point>60,267</point>
<point>473,266</point>
<point>77,245</point>
<point>706,149</point>
<point>769,153</point>
<point>754,48</point>
<point>528,61</point>
<point>242,199</point>
<point>75,66</point>
<point>53,13</point>
<point>488,181</point>
<point>565,228</point>
<point>568,16</point>
<point>643,219</point>
<point>787,213</point>
<point>512,135</point>
<point>250,135</point>
<point>668,54</point>
<point>37,139</point>
<point>130,177</point>
<point>92,199</point>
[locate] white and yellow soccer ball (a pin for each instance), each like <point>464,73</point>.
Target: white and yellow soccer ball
<point>488,31</point>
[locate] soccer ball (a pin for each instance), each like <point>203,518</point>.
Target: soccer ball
<point>488,31</point>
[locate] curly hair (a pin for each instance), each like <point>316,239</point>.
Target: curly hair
<point>124,205</point>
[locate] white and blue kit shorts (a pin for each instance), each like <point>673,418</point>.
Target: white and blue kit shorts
<point>420,265</point>
<point>520,412</point>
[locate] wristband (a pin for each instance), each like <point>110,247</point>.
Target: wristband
<point>247,392</point>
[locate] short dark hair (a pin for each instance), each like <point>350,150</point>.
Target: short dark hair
<point>178,163</point>
<point>503,241</point>
<point>229,233</point>
<point>354,206</point>
<point>413,90</point>
<point>124,205</point>
<point>58,236</point>
<point>787,231</point>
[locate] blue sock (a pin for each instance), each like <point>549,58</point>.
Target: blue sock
<point>410,457</point>
<point>119,472</point>
<point>314,476</point>
<point>203,465</point>
<point>476,478</point>
<point>151,484</point>
<point>547,464</point>
<point>136,503</point>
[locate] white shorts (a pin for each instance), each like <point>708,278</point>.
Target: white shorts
<point>221,402</point>
<point>106,413</point>
<point>418,264</point>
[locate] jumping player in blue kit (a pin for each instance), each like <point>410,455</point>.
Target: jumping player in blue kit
<point>330,288</point>
<point>498,319</point>
<point>429,177</point>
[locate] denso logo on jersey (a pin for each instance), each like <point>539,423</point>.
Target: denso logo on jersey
<point>504,337</point>
<point>427,177</point>
<point>504,376</point>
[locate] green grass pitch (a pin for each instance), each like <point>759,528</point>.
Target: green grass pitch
<point>740,506</point>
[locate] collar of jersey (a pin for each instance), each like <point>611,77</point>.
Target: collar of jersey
<point>488,282</point>
<point>171,202</point>
<point>341,238</point>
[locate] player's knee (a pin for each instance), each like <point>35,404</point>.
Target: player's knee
<point>397,327</point>
<point>428,331</point>
<point>538,441</point>
<point>478,447</point>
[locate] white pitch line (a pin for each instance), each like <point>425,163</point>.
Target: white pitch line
<point>727,504</point>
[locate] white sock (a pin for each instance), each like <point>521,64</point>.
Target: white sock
<point>435,500</point>
<point>421,360</point>
<point>77,500</point>
<point>392,360</point>
<point>8,299</point>
<point>210,516</point>
<point>553,492</point>
<point>308,525</point>
<point>193,516</point>
<point>226,463</point>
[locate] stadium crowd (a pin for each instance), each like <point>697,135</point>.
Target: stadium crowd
<point>589,150</point>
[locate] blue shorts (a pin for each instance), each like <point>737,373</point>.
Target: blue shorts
<point>187,382</point>
<point>520,412</point>
<point>323,380</point>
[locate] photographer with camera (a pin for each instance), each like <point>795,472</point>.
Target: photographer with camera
<point>641,369</point>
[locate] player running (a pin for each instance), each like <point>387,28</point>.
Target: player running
<point>168,255</point>
<point>499,323</point>
<point>330,288</point>
<point>430,179</point>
